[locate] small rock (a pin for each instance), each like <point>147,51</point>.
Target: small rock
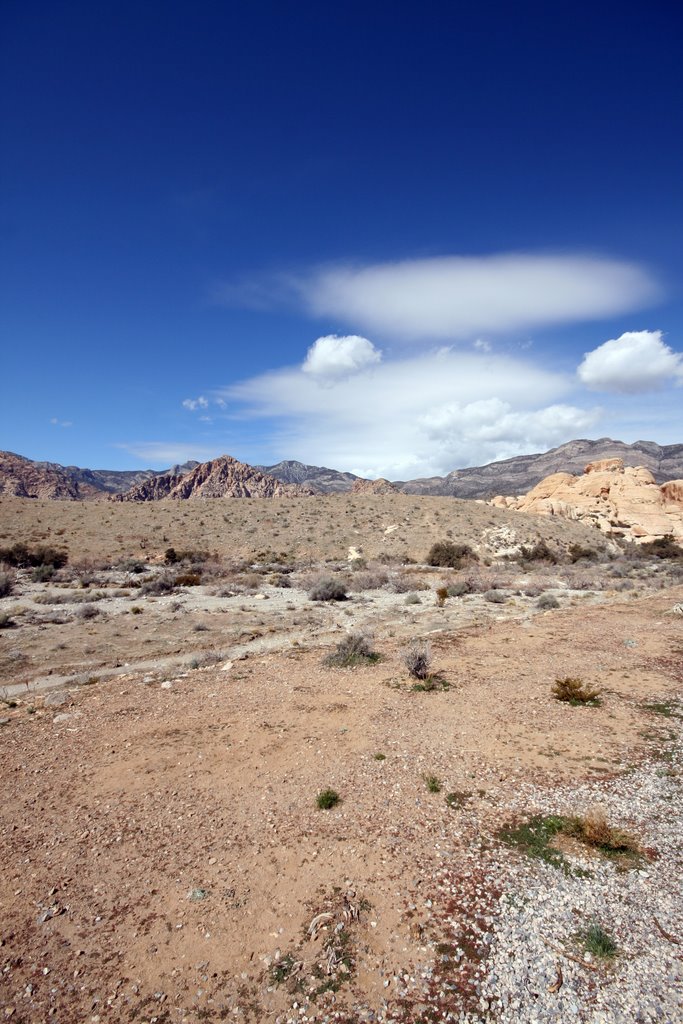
<point>166,685</point>
<point>226,667</point>
<point>57,700</point>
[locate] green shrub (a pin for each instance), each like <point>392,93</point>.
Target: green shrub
<point>547,601</point>
<point>327,799</point>
<point>661,547</point>
<point>598,942</point>
<point>495,597</point>
<point>24,557</point>
<point>540,552</point>
<point>447,554</point>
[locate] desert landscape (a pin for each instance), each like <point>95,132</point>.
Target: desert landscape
<point>344,757</point>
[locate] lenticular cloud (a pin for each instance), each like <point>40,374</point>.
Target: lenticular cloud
<point>457,296</point>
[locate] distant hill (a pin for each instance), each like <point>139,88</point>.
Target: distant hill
<point>28,479</point>
<point>223,477</point>
<point>520,474</point>
<point>25,478</point>
<point>317,478</point>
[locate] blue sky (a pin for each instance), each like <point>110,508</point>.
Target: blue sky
<point>388,239</point>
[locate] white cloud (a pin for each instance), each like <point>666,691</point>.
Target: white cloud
<point>167,453</point>
<point>635,362</point>
<point>416,416</point>
<point>196,403</point>
<point>482,345</point>
<point>333,357</point>
<point>457,296</point>
<point>60,423</point>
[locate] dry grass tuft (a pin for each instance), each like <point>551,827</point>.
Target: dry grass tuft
<point>575,692</point>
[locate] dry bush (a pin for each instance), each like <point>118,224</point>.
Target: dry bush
<point>371,579</point>
<point>188,579</point>
<point>546,602</point>
<point>163,584</point>
<point>88,611</point>
<point>328,589</point>
<point>355,649</point>
<point>407,583</point>
<point>594,829</point>
<point>452,556</point>
<point>7,581</point>
<point>418,659</point>
<point>574,691</point>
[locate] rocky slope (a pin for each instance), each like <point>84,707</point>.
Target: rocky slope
<point>620,500</point>
<point>520,474</point>
<point>379,486</point>
<point>316,478</point>
<point>25,478</point>
<point>224,477</point>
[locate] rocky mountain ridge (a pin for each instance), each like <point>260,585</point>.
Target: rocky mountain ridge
<point>516,476</point>
<point>223,477</point>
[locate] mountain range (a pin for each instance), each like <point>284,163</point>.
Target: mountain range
<point>226,477</point>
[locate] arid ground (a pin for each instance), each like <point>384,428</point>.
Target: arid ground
<point>169,723</point>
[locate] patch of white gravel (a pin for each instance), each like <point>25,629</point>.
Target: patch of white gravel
<point>542,910</point>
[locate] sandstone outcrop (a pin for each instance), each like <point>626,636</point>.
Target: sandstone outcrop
<point>223,477</point>
<point>379,486</point>
<point>623,501</point>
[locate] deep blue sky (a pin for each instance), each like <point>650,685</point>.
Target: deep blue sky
<point>165,163</point>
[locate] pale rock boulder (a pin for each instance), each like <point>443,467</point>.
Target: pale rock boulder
<point>621,500</point>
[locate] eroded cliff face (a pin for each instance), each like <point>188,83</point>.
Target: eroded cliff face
<point>224,477</point>
<point>619,500</point>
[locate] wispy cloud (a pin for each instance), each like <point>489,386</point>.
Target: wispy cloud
<point>456,297</point>
<point>163,454</point>
<point>195,403</point>
<point>56,422</point>
<point>634,363</point>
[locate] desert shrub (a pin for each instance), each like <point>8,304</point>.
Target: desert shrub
<point>405,584</point>
<point>171,556</point>
<point>578,553</point>
<point>6,583</point>
<point>357,564</point>
<point>447,554</point>
<point>432,783</point>
<point>418,659</point>
<point>373,579</point>
<point>661,547</point>
<point>159,585</point>
<point>328,589</point>
<point>42,573</point>
<point>441,595</point>
<point>354,649</point>
<point>495,597</point>
<point>547,601</point>
<point>412,599</point>
<point>6,620</point>
<point>24,557</point>
<point>459,588</point>
<point>540,552</point>
<point>327,799</point>
<point>88,611</point>
<point>574,691</point>
<point>134,565</point>
<point>188,579</point>
<point>281,581</point>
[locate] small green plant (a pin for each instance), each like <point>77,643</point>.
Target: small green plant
<point>575,692</point>
<point>664,708</point>
<point>327,799</point>
<point>536,835</point>
<point>432,783</point>
<point>546,602</point>
<point>380,757</point>
<point>281,969</point>
<point>136,610</point>
<point>355,649</point>
<point>598,942</point>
